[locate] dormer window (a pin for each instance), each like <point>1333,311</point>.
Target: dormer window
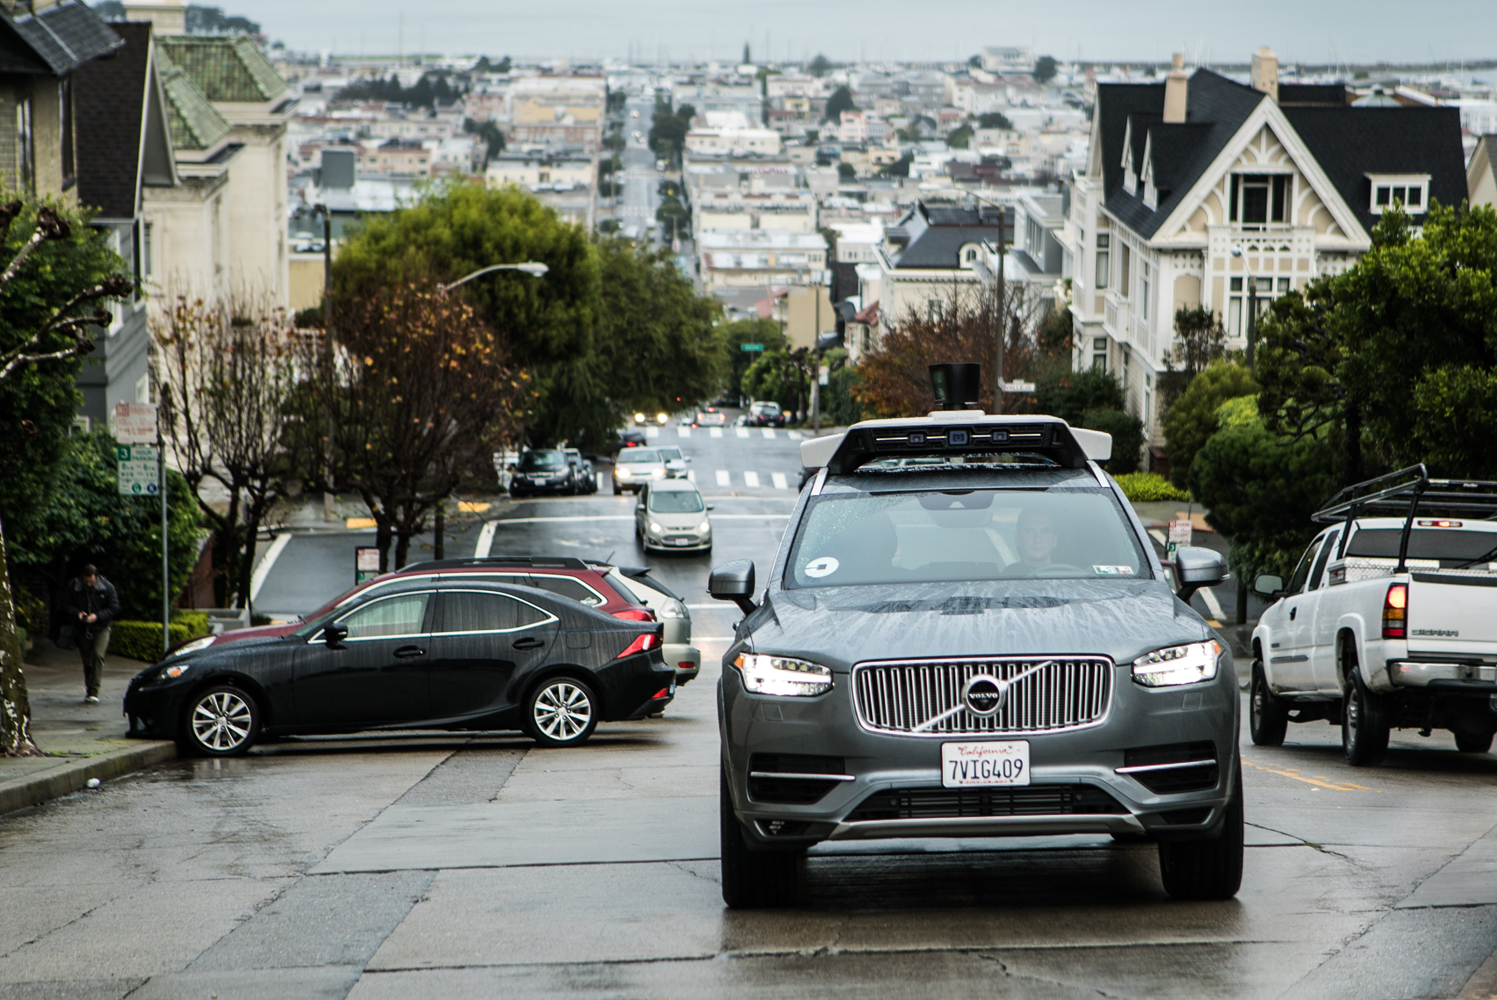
<point>1409,190</point>
<point>1260,199</point>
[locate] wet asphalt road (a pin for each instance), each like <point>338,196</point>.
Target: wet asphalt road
<point>450,866</point>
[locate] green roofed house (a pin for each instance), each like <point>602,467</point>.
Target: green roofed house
<point>222,228</point>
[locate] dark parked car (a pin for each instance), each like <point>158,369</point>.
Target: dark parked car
<point>543,471</point>
<point>764,413</point>
<point>966,633</point>
<point>421,654</point>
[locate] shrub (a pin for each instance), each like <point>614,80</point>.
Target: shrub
<point>142,640</point>
<point>1145,487</point>
<point>1127,437</point>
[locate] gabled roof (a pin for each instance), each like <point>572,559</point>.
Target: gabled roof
<point>230,69</point>
<point>1350,143</point>
<point>1329,94</point>
<point>110,99</point>
<point>1180,152</point>
<point>55,41</point>
<point>936,235</point>
<point>194,123</point>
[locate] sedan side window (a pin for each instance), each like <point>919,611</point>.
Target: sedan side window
<point>403,614</point>
<point>477,611</point>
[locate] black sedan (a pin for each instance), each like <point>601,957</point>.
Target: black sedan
<point>427,654</point>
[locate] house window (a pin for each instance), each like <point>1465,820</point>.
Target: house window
<point>1266,290</point>
<point>25,144</point>
<point>935,310</point>
<point>1104,256</point>
<point>1144,275</point>
<point>1124,260</point>
<point>1410,192</point>
<point>1099,354</point>
<point>146,268</point>
<point>971,255</point>
<point>1259,199</point>
<point>1147,413</point>
<point>65,102</point>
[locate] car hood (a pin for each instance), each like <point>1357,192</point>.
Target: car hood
<point>258,632</point>
<point>677,520</point>
<point>846,625</point>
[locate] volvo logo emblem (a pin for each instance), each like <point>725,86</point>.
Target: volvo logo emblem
<point>984,695</point>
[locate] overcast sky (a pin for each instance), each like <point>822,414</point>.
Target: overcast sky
<point>1219,31</point>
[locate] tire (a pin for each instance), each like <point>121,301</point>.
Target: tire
<point>561,712</point>
<point>616,490</point>
<point>1471,743</point>
<point>1268,714</point>
<point>220,721</point>
<point>1207,869</point>
<point>753,879</point>
<point>1364,723</point>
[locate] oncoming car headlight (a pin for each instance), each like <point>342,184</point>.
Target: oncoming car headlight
<point>1176,665</point>
<point>782,676</point>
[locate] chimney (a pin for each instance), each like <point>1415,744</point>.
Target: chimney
<point>168,17</point>
<point>1176,89</point>
<point>1265,72</point>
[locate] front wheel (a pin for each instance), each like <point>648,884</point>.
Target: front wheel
<point>752,879</point>
<point>561,712</point>
<point>1207,869</point>
<point>1364,723</point>
<point>221,721</point>
<point>1268,715</point>
<point>1473,743</point>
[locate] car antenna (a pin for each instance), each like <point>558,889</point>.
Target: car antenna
<point>609,558</point>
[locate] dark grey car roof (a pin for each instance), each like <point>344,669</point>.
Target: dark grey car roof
<point>920,480</point>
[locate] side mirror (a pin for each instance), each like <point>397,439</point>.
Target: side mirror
<point>734,581</point>
<point>334,634</point>
<point>1268,585</point>
<point>712,506</point>
<point>1197,567</point>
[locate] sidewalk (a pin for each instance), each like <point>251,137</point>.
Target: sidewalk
<point>80,741</point>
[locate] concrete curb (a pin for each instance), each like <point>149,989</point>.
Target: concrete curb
<point>70,776</point>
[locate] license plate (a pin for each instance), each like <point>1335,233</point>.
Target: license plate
<point>984,764</point>
<point>680,541</point>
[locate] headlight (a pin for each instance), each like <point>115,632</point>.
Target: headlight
<point>706,527</point>
<point>202,642</point>
<point>782,676</point>
<point>172,672</point>
<point>655,527</point>
<point>1178,665</point>
<point>658,473</point>
<point>622,473</point>
<point>661,418</point>
<point>639,418</point>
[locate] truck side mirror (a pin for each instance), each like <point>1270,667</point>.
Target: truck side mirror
<point>1197,567</point>
<point>1268,585</point>
<point>734,581</point>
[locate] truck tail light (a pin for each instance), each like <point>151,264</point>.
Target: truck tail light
<point>644,641</point>
<point>1396,612</point>
<point>635,615</point>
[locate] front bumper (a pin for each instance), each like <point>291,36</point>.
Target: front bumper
<point>678,541</point>
<point>528,488</point>
<point>153,710</point>
<point>1086,770</point>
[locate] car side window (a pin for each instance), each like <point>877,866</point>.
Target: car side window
<point>402,614</point>
<point>1302,571</point>
<point>1317,575</point>
<point>477,611</point>
<point>565,586</point>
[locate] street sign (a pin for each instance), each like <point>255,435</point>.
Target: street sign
<point>139,471</point>
<point>751,347</point>
<point>1018,387</point>
<point>134,423</point>
<point>1180,534</point>
<point>823,374</point>
<point>365,564</point>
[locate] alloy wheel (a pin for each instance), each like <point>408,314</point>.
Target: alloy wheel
<point>222,721</point>
<point>563,711</point>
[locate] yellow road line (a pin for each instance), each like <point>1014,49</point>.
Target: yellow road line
<point>1319,780</point>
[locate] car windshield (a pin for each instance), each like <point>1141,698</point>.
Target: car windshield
<point>766,407</point>
<point>965,535</point>
<point>676,502</point>
<point>542,460</point>
<point>640,456</point>
<point>671,454</point>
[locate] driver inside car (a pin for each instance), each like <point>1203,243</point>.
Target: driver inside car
<point>1035,539</point>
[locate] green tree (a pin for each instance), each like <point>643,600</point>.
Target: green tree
<point>747,331</point>
<point>1073,394</point>
<point>1127,437</point>
<point>960,137</point>
<point>1044,69</point>
<point>1191,421</point>
<point>55,279</point>
<point>820,65</point>
<point>846,171</point>
<point>995,119</point>
<point>493,138</point>
<point>840,101</point>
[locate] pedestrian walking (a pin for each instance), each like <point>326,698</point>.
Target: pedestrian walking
<point>91,606</point>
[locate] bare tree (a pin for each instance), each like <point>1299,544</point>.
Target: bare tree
<point>64,334</point>
<point>416,400</point>
<point>227,374</point>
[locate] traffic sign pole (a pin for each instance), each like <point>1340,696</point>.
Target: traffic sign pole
<point>166,565</point>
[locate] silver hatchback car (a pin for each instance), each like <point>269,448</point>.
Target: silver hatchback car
<point>982,643</point>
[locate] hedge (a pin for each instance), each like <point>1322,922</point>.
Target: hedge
<point>142,640</point>
<point>1142,487</point>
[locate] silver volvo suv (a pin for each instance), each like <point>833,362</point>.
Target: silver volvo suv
<point>979,643</point>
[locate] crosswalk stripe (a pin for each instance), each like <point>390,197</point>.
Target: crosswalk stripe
<point>716,432</point>
<point>652,432</point>
<point>691,475</point>
<point>684,431</point>
<point>769,433</point>
<point>723,479</point>
<point>780,482</point>
<point>794,435</point>
<point>600,481</point>
<point>741,431</point>
<point>751,479</point>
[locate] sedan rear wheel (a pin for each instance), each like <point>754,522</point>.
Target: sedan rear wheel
<point>222,721</point>
<point>561,712</point>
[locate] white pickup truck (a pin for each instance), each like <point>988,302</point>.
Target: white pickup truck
<point>1389,621</point>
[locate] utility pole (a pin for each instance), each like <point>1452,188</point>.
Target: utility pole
<point>166,563</point>
<point>1002,317</point>
<point>330,494</point>
<point>1252,320</point>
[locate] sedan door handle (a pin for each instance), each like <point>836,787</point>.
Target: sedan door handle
<point>406,651</point>
<point>529,642</point>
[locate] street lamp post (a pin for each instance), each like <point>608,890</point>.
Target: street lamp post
<point>534,268</point>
